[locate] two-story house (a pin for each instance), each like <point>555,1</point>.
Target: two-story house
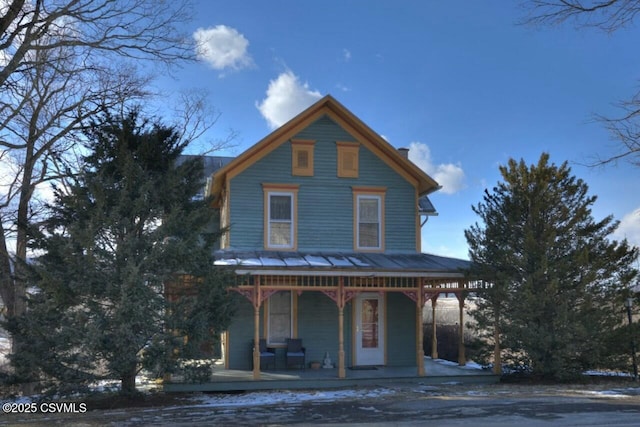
<point>324,222</point>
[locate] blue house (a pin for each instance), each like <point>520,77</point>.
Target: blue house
<point>324,220</point>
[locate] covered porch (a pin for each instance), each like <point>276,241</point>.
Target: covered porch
<point>395,287</point>
<point>230,380</point>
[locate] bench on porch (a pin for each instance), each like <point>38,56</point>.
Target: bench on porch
<point>267,354</point>
<point>295,353</point>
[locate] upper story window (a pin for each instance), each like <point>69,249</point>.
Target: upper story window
<point>368,218</point>
<point>302,157</point>
<point>280,216</point>
<point>348,166</point>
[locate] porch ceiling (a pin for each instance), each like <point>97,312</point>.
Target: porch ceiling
<point>342,263</point>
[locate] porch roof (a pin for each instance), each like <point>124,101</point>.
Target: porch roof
<point>342,263</point>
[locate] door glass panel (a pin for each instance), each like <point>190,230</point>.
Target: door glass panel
<point>369,323</point>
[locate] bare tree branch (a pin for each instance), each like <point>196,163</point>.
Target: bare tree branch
<point>607,15</point>
<point>62,62</point>
<point>135,29</point>
<point>194,117</point>
<point>626,131</point>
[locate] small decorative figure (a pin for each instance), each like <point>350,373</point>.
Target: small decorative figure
<point>327,363</point>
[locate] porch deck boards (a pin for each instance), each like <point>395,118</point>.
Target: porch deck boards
<point>228,380</point>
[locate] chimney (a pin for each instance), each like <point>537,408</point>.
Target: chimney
<point>404,152</point>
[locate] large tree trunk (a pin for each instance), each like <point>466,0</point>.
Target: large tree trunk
<point>26,192</point>
<point>6,280</point>
<point>497,358</point>
<point>128,381</point>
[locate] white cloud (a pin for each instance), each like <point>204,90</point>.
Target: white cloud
<point>346,55</point>
<point>449,175</point>
<point>286,97</point>
<point>222,48</point>
<point>630,228</point>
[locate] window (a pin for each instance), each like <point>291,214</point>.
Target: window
<point>369,218</point>
<point>280,317</point>
<point>280,216</point>
<point>302,157</point>
<point>347,159</point>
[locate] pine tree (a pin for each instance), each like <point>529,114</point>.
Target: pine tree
<point>133,221</point>
<point>558,279</point>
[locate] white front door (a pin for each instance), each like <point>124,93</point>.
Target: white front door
<point>369,329</point>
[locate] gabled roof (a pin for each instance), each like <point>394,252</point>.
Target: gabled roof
<point>210,164</point>
<point>357,128</point>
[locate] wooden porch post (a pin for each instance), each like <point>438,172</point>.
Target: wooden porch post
<point>256,328</point>
<point>434,328</point>
<point>342,373</point>
<point>462,358</point>
<point>419,330</point>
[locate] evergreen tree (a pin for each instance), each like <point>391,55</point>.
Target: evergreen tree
<point>133,221</point>
<point>559,281</point>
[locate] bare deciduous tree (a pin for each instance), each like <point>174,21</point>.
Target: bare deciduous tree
<point>137,29</point>
<point>62,61</point>
<point>40,136</point>
<point>608,16</point>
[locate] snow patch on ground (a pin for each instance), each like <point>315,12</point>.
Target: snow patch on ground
<point>614,393</point>
<point>285,397</point>
<point>607,373</point>
<point>469,365</point>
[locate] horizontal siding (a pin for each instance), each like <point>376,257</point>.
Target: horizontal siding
<point>325,202</point>
<point>317,326</point>
<point>401,330</point>
<point>240,335</point>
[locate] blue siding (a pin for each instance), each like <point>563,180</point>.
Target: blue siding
<point>317,326</point>
<point>325,202</point>
<point>241,335</point>
<point>401,330</point>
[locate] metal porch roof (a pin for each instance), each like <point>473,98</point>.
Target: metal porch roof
<point>341,262</point>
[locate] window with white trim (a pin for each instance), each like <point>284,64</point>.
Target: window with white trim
<point>280,317</point>
<point>369,224</point>
<point>280,227</point>
<point>280,216</point>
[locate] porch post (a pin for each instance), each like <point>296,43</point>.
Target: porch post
<point>342,373</point>
<point>462,359</point>
<point>434,328</point>
<point>256,328</point>
<point>420,330</point>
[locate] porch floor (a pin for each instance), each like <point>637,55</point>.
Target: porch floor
<point>226,380</point>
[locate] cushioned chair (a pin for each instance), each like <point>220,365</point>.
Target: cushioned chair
<point>295,353</point>
<point>267,355</point>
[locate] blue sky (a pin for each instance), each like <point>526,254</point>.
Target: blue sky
<point>461,83</point>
